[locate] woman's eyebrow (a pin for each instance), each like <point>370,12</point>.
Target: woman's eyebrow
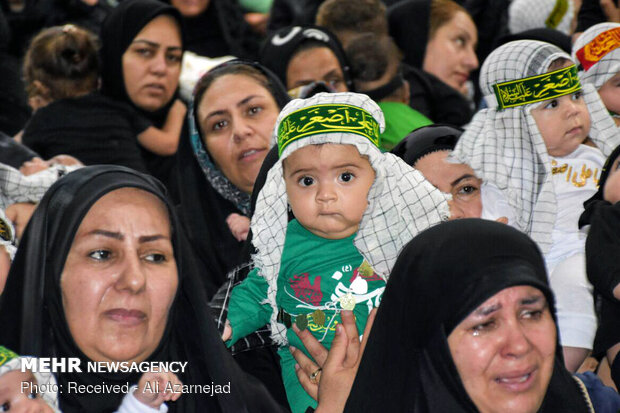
<point>148,42</point>
<point>461,178</point>
<point>485,311</point>
<point>531,300</point>
<point>121,237</point>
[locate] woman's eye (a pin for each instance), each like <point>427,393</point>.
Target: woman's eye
<point>144,52</point>
<point>156,258</point>
<point>306,181</point>
<point>482,327</point>
<point>100,255</point>
<point>254,110</point>
<point>467,190</point>
<point>460,41</point>
<point>533,314</point>
<point>174,58</point>
<point>346,177</point>
<point>219,125</point>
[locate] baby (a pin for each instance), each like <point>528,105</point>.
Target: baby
<point>598,52</point>
<point>540,148</point>
<point>15,397</point>
<point>18,389</point>
<point>354,208</point>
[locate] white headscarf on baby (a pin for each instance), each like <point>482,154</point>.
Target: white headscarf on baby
<point>597,51</point>
<point>537,14</point>
<point>504,146</point>
<point>401,203</point>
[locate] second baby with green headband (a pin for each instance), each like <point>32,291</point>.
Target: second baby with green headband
<point>354,209</point>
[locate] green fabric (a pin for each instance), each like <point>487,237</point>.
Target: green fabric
<point>400,119</point>
<point>534,89</point>
<point>327,118</point>
<point>6,355</point>
<point>314,272</point>
<point>259,6</point>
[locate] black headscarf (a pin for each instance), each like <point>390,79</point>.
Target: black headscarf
<point>33,320</point>
<point>440,277</point>
<point>117,32</point>
<point>602,265</point>
<point>203,210</point>
<point>425,140</point>
<point>410,36</point>
<point>544,34</point>
<point>278,49</point>
<point>220,30</point>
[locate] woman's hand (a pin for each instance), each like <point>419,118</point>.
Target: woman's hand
<point>336,368</point>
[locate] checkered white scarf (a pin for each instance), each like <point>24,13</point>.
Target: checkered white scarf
<point>506,148</point>
<point>401,203</point>
<point>536,14</point>
<point>609,64</point>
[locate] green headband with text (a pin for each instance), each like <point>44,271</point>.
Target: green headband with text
<point>327,118</point>
<point>537,88</point>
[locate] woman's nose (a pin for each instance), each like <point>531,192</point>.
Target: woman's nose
<point>158,64</point>
<point>470,59</point>
<point>132,277</point>
<point>516,343</point>
<point>241,130</point>
<point>456,212</point>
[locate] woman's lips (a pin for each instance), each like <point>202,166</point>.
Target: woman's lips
<point>126,317</point>
<point>251,155</point>
<point>517,381</point>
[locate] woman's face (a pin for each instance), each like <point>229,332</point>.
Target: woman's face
<point>236,117</point>
<point>313,65</point>
<point>457,179</point>
<point>450,53</point>
<point>190,8</point>
<point>120,277</point>
<point>504,351</point>
<point>152,64</point>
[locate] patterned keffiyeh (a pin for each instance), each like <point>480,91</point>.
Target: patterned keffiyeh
<point>597,51</point>
<point>504,146</point>
<point>537,14</point>
<point>401,203</point>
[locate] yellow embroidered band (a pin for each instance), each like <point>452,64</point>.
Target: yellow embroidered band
<point>328,118</point>
<point>556,15</point>
<point>595,50</point>
<point>6,355</point>
<point>537,88</point>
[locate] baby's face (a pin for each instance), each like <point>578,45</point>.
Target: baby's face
<point>611,191</point>
<point>16,395</point>
<point>610,94</point>
<point>327,187</point>
<point>563,122</point>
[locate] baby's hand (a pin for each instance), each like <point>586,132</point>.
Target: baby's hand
<point>227,333</point>
<point>162,387</point>
<point>239,226</point>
